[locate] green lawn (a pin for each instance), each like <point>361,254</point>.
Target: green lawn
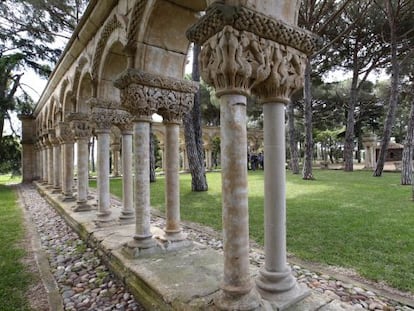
<point>14,279</point>
<point>352,220</point>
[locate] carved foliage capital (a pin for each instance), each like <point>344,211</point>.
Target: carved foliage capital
<point>80,125</point>
<point>64,133</point>
<point>240,62</point>
<point>51,138</point>
<point>175,105</point>
<point>143,94</point>
<point>103,114</point>
<point>286,75</point>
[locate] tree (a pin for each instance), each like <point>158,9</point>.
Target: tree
<point>399,15</point>
<point>408,95</point>
<point>193,134</point>
<point>320,17</point>
<point>28,30</point>
<point>294,157</point>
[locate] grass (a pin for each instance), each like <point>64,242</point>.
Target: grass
<point>15,279</point>
<point>351,220</point>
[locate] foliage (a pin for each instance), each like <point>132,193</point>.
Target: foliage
<point>28,32</point>
<point>10,155</point>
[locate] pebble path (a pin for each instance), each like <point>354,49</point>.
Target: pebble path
<point>86,283</point>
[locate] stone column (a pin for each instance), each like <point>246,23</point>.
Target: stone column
<point>28,149</point>
<point>127,213</point>
<point>141,93</point>
<point>104,202</point>
<point>49,148</point>
<point>276,282</point>
<point>115,159</point>
<point>43,158</point>
<point>56,165</point>
<point>66,138</point>
<point>369,141</point>
<point>238,56</point>
<point>79,123</point>
<point>209,162</point>
<point>172,112</point>
<point>103,117</point>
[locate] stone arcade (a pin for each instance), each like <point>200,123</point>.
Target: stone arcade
<point>125,62</point>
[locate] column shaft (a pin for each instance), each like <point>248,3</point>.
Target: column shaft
<point>103,174</point>
<point>172,182</point>
<point>50,172</point>
<point>68,171</point>
<point>83,174</point>
<point>44,165</point>
<point>57,167</point>
<point>275,188</point>
<point>142,183</point>
<point>127,177</point>
<point>237,279</point>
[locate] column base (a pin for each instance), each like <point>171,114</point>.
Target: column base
<point>127,218</point>
<point>104,219</point>
<point>280,289</point>
<point>173,236</point>
<point>81,207</point>
<point>56,190</point>
<point>66,198</point>
<point>139,247</point>
<point>226,300</point>
<point>173,241</point>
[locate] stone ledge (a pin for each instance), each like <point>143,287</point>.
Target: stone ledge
<point>186,279</point>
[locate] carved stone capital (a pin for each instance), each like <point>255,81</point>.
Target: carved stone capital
<point>143,94</point>
<point>52,137</point>
<point>64,133</point>
<point>241,18</point>
<point>105,114</point>
<point>46,141</point>
<point>234,61</point>
<point>175,105</point>
<point>286,75</point>
<point>126,128</point>
<point>80,125</point>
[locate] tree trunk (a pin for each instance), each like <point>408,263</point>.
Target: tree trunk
<point>395,70</point>
<point>407,157</point>
<point>152,156</point>
<point>193,135</point>
<point>307,96</point>
<point>294,159</point>
<point>350,124</point>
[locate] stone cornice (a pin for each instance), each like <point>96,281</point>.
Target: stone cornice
<point>241,18</point>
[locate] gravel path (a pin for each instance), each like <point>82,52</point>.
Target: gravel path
<point>86,284</point>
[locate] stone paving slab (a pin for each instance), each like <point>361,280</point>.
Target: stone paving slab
<point>186,279</point>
